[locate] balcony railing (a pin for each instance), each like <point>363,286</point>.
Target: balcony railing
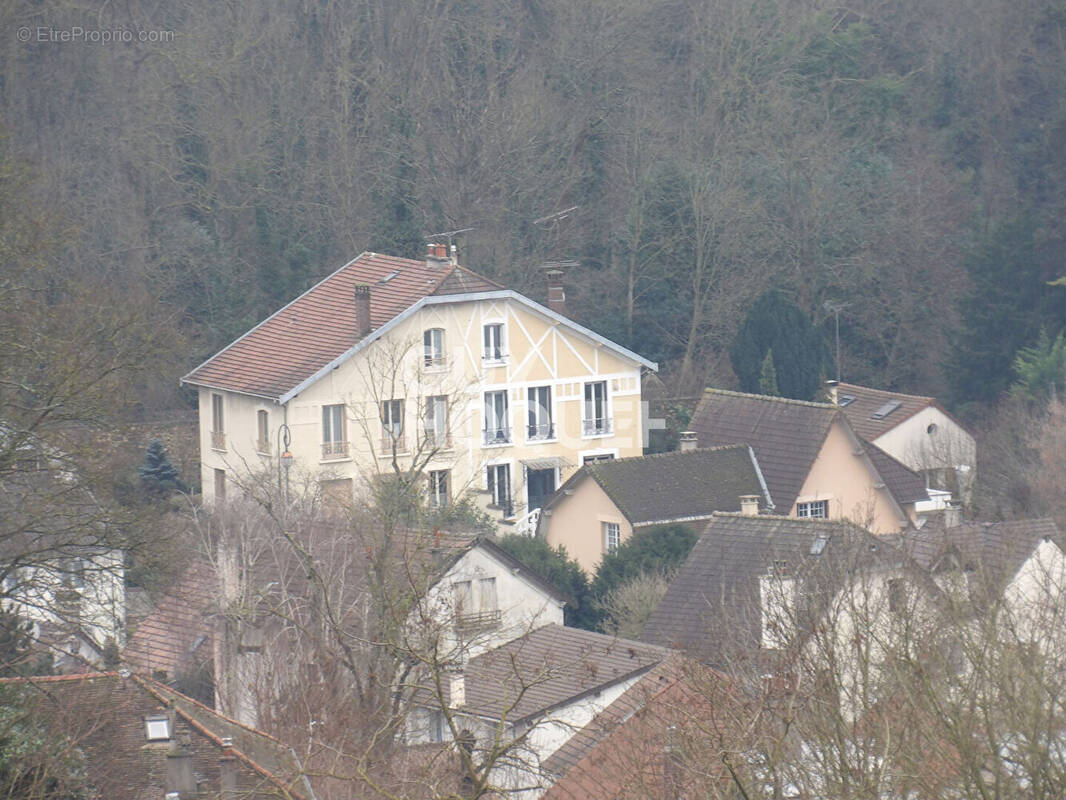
<point>218,440</point>
<point>391,442</point>
<point>542,430</point>
<point>483,620</point>
<point>431,361</point>
<point>335,450</point>
<point>597,426</point>
<point>437,440</point>
<point>497,435</point>
<point>262,446</point>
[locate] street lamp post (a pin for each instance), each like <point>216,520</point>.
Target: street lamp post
<point>285,459</point>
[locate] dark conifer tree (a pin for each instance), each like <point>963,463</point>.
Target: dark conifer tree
<point>158,475</point>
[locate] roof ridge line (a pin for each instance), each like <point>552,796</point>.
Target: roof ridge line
<point>929,398</point>
<point>649,456</point>
<point>785,400</point>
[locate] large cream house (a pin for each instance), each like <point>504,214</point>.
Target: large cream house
<point>392,364</point>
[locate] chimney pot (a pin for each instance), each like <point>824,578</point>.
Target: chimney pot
<point>952,514</point>
<point>749,505</point>
<point>831,388</point>
<point>457,689</point>
<point>362,310</point>
<point>556,292</point>
<point>689,441</point>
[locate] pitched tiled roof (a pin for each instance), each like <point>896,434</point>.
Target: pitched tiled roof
<point>623,751</point>
<point>993,551</point>
<point>103,715</point>
<point>860,410</point>
<point>713,603</point>
<point>786,435</point>
<point>177,634</point>
<point>906,485</point>
<point>319,326</point>
<point>549,667</point>
<point>679,485</point>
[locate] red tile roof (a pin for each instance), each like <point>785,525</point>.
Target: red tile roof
<point>102,714</point>
<point>866,401</point>
<point>179,629</point>
<point>319,326</point>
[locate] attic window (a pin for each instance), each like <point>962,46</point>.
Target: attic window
<point>845,400</point>
<point>157,728</point>
<point>390,276</point>
<point>886,409</point>
<point>818,545</point>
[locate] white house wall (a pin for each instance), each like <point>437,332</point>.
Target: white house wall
<point>944,445</point>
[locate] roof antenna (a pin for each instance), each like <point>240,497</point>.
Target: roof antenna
<point>448,236</point>
<point>556,217</point>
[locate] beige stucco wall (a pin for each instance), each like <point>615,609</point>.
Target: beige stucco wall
<point>540,352</point>
<point>844,478</point>
<point>576,523</point>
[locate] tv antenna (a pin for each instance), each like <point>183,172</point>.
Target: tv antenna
<point>448,234</point>
<point>835,309</point>
<point>558,216</point>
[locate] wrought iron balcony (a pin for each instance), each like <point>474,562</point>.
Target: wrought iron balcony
<point>497,435</point>
<point>597,426</point>
<point>335,450</point>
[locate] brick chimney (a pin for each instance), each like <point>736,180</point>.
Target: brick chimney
<point>362,310</point>
<point>749,505</point>
<point>180,776</point>
<point>556,293</point>
<point>437,255</point>
<point>227,767</point>
<point>689,441</point>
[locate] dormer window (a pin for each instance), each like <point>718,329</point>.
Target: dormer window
<point>157,728</point>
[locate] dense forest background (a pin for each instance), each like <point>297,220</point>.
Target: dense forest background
<point>899,163</point>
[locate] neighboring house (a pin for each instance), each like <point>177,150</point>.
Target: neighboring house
<point>461,596</point>
<point>603,503</point>
<point>529,697</point>
<point>76,602</point>
<point>916,431</point>
<point>663,737</point>
<point>751,583</point>
<point>174,643</point>
<point>1019,566</point>
<point>815,465</point>
<point>392,362</point>
<point>138,739</point>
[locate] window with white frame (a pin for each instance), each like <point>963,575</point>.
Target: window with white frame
<point>436,422</point>
<point>493,336</point>
<point>497,419</point>
<point>334,432</point>
<point>392,426</point>
<point>218,422</point>
<point>433,347</point>
<point>596,419</point>
<point>540,423</point>
<point>612,536</point>
<point>498,482</point>
<point>438,488</point>
<point>262,424</point>
<point>816,509</point>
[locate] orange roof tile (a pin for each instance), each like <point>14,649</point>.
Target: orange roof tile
<point>319,326</point>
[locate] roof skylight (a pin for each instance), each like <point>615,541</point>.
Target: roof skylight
<point>886,409</point>
<point>845,399</point>
<point>819,543</point>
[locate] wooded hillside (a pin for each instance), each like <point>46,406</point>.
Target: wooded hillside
<point>902,162</point>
